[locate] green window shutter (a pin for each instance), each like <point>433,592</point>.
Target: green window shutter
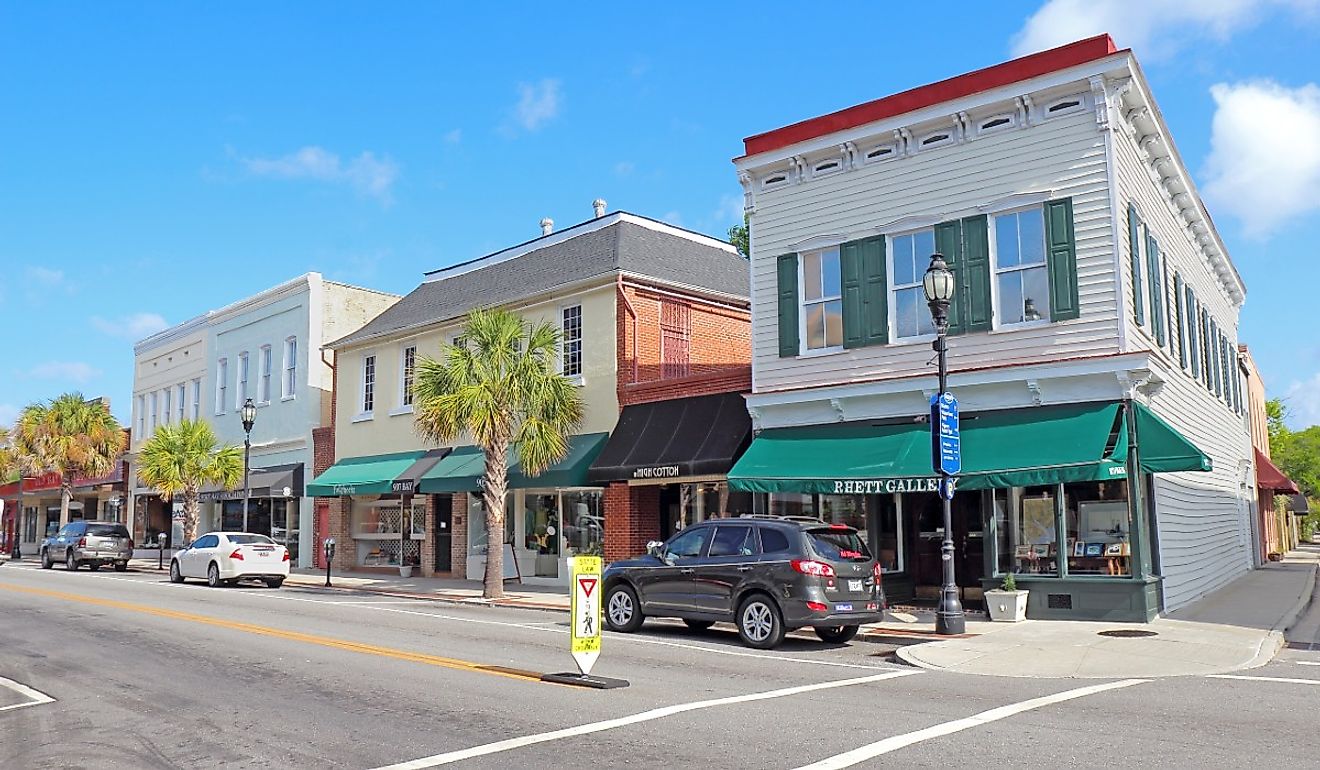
<point>1180,318</point>
<point>1170,312</point>
<point>1134,241</point>
<point>875,290</point>
<point>788,306</point>
<point>978,310</point>
<point>1228,370</point>
<point>854,301</point>
<point>1206,355</point>
<point>1061,257</point>
<point>1189,319</point>
<point>948,240</point>
<point>1156,293</point>
<point>1215,370</point>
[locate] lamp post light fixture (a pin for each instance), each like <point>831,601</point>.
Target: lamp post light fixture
<point>938,284</point>
<point>249,415</point>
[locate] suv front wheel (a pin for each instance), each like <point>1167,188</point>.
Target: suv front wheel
<point>760,623</point>
<point>621,610</point>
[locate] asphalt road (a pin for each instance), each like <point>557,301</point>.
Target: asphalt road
<point>112,670</point>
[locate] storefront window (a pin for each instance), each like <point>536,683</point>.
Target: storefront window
<point>542,531</point>
<point>386,517</point>
<point>1004,559</point>
<point>1035,539</point>
<point>584,523</point>
<point>889,534</point>
<point>690,504</point>
<point>477,540</point>
<point>1099,528</point>
<point>792,504</point>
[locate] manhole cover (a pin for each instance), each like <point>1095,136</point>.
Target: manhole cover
<point>1128,633</point>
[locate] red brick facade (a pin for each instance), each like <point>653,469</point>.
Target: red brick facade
<point>632,518</point>
<point>459,539</point>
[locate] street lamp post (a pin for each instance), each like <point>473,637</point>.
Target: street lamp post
<point>249,415</point>
<point>938,284</point>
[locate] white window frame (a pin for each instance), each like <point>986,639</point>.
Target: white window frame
<point>142,416</point>
<point>803,302</point>
<point>997,322</point>
<point>167,402</point>
<point>155,413</point>
<point>1082,105</point>
<point>893,287</point>
<point>181,393</point>
<point>368,358</point>
<point>835,164</point>
<point>576,377</point>
<point>289,374</point>
<point>983,130</point>
<point>221,386</point>
<point>241,393</point>
<point>403,395</point>
<point>267,362</point>
<point>887,151</point>
<point>949,136</point>
<point>196,399</point>
<point>775,179</point>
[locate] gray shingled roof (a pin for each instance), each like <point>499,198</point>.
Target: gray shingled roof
<point>622,246</point>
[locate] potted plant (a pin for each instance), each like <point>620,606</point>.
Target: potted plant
<point>406,566</point>
<point>1007,603</point>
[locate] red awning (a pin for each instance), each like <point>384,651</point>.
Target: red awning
<point>1268,476</point>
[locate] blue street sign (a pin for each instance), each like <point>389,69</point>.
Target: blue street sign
<point>947,486</point>
<point>945,438</point>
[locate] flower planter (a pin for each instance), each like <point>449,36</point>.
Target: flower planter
<point>1006,606</point>
<point>405,571</point>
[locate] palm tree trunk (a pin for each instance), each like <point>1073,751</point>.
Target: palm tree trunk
<point>496,484</point>
<point>66,496</point>
<point>190,511</point>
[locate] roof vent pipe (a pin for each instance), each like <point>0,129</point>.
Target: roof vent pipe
<point>599,206</point>
<point>547,226</point>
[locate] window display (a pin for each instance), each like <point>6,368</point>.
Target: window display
<point>1099,527</point>
<point>584,523</point>
<point>1035,545</point>
<point>477,541</point>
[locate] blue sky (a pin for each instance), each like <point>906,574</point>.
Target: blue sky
<point>160,159</point>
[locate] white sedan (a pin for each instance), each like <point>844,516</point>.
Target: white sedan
<point>224,558</point>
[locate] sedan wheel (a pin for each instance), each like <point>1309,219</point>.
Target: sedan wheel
<point>759,623</point>
<point>213,576</point>
<point>621,612</point>
<point>175,575</point>
<point>70,563</point>
<point>46,563</point>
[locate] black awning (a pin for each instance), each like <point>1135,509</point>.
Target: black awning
<point>406,482</point>
<point>698,436</point>
<point>270,481</point>
<point>1299,505</point>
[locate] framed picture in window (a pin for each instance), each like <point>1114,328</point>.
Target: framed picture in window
<point>1079,548</point>
<point>1022,552</point>
<point>1041,550</point>
<point>1095,549</point>
<point>1116,549</point>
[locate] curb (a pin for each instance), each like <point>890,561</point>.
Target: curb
<point>455,600</point>
<point>1276,638</point>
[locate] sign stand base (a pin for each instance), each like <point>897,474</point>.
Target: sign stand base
<point>582,680</point>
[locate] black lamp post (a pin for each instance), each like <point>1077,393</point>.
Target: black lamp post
<point>249,415</point>
<point>938,285</point>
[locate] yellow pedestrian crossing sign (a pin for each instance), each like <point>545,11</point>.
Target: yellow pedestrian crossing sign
<point>585,608</point>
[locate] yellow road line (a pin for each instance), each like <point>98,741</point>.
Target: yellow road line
<point>323,641</point>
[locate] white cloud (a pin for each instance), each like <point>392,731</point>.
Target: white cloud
<point>624,168</point>
<point>366,173</point>
<point>75,371</point>
<point>537,103</point>
<point>1303,402</point>
<point>1264,162</point>
<point>1154,28</point>
<point>454,136</point>
<point>45,276</point>
<point>133,327</point>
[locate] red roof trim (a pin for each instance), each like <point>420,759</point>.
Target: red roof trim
<point>1030,66</point>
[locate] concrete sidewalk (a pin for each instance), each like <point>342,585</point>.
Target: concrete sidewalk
<point>437,589</point>
<point>1239,626</point>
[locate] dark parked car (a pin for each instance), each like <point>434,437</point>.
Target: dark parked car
<point>94,543</point>
<point>765,574</point>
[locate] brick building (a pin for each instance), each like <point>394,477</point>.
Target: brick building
<point>645,309</point>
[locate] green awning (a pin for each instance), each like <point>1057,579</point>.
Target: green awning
<point>369,475</point>
<point>462,470</point>
<point>1009,448</point>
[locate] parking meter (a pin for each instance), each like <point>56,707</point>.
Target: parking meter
<point>160,557</point>
<point>329,558</point>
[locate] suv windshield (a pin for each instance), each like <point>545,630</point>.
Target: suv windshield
<point>107,530</point>
<point>250,540</point>
<point>839,544</point>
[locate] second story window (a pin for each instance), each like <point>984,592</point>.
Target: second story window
<point>368,384</point>
<point>155,413</point>
<point>196,399</point>
<point>911,258</point>
<point>263,394</point>
<point>675,339</point>
<point>221,385</point>
<point>180,394</point>
<point>243,370</point>
<point>290,379</point>
<point>407,365</point>
<point>168,410</point>
<point>571,342</point>
<point>1022,278</point>
<point>822,300</point>
<point>141,417</point>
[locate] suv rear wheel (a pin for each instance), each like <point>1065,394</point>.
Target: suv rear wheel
<point>760,624</point>
<point>70,563</point>
<point>621,610</point>
<point>836,634</point>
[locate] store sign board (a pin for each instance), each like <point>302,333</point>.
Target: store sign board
<point>657,472</point>
<point>945,436</point>
<point>585,610</point>
<point>887,486</point>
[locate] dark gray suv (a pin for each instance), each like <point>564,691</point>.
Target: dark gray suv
<point>766,575</point>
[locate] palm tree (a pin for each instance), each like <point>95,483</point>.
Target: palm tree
<point>69,436</point>
<point>502,386</point>
<point>182,458</point>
